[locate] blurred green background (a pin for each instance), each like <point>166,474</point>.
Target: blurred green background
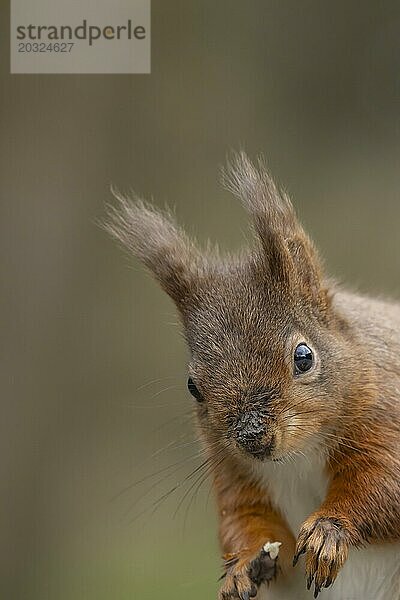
<point>93,366</point>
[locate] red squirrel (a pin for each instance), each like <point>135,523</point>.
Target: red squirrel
<point>297,389</point>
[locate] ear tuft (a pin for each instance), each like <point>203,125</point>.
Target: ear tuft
<point>287,251</point>
<point>153,236</point>
<point>268,205</point>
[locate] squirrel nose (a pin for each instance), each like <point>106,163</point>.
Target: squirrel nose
<point>250,430</point>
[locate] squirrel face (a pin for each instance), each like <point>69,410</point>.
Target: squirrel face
<point>264,367</point>
<point>268,355</point>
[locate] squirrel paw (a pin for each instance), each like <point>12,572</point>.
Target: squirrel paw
<point>325,542</point>
<point>245,573</point>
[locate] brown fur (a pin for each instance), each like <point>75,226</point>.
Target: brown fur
<point>243,317</point>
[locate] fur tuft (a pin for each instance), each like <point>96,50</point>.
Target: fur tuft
<point>287,251</point>
<point>254,186</point>
<point>153,236</point>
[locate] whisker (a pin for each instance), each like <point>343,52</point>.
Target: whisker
<point>210,466</point>
<point>151,475</point>
<point>204,478</point>
<point>169,474</point>
<point>167,389</point>
<point>186,418</point>
<point>152,382</point>
<point>178,485</point>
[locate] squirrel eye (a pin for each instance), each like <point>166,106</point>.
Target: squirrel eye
<point>194,390</point>
<point>303,359</point>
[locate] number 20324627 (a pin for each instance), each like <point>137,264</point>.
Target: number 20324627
<point>45,46</point>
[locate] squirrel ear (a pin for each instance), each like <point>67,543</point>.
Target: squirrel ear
<point>158,242</point>
<point>287,252</point>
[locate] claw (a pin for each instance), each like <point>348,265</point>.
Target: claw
<point>316,591</point>
<point>253,592</point>
<point>309,581</point>
<point>298,554</point>
<point>328,582</point>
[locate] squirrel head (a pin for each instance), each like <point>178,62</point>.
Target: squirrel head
<point>267,351</point>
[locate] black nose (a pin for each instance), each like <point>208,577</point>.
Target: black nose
<point>250,432</point>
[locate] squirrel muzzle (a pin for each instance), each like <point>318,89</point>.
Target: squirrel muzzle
<point>252,434</point>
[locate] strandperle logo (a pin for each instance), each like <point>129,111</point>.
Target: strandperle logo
<point>85,31</point>
<point>51,36</point>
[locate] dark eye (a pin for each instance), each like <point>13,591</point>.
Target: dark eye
<point>193,390</point>
<point>303,359</point>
